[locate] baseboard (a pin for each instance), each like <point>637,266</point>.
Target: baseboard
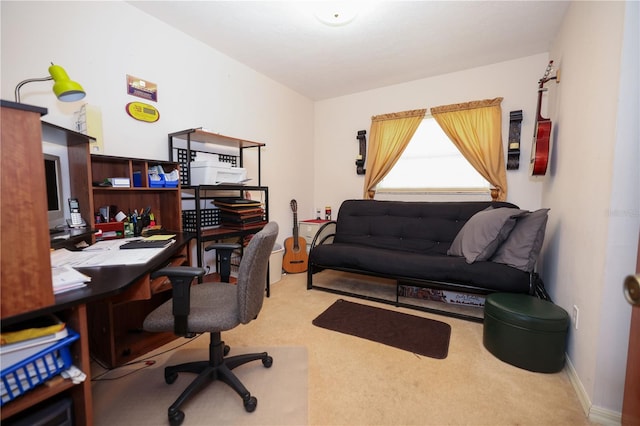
<point>605,417</point>
<point>595,414</point>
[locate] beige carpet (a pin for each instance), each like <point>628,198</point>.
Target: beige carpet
<point>352,381</point>
<point>142,398</point>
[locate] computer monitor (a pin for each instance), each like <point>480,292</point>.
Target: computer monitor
<point>55,200</point>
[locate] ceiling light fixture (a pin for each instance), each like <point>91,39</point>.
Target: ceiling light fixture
<point>335,13</point>
<point>64,88</point>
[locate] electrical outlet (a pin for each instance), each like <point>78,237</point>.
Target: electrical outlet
<point>576,313</point>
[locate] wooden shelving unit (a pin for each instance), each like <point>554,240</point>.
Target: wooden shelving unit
<point>164,201</point>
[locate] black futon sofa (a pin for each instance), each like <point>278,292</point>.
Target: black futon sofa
<point>421,244</point>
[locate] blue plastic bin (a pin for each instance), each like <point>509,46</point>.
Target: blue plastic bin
<point>156,183</point>
<point>37,369</point>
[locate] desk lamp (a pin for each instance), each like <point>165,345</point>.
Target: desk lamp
<point>65,89</point>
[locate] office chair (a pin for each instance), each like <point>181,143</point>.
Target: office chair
<point>213,308</point>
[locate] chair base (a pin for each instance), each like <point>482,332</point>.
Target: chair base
<point>216,368</point>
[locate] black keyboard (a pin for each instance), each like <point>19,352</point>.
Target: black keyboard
<point>54,231</point>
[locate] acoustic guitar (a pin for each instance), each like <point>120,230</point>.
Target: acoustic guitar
<point>295,258</point>
<point>542,134</point>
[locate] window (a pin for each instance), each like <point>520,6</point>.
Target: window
<point>431,162</point>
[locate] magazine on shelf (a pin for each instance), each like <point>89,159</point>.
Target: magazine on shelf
<point>30,329</point>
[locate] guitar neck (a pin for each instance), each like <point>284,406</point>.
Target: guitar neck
<point>539,107</point>
<point>296,244</point>
<point>295,226</point>
<point>541,90</point>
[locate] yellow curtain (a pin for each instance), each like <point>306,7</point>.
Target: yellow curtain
<point>476,129</point>
<point>388,137</point>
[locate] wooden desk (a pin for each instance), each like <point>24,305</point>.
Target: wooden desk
<point>108,283</point>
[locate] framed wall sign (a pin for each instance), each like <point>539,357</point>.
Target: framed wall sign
<point>142,88</point>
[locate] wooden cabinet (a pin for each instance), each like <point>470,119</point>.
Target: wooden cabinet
<point>26,284</point>
<point>198,212</point>
<point>25,267</point>
<point>25,241</point>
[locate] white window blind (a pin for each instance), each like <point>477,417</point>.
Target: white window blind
<point>432,163</point>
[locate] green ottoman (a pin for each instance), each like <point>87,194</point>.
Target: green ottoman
<point>525,331</point>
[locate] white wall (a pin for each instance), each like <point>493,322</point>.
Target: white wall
<point>99,43</point>
<point>338,120</point>
<point>592,189</point>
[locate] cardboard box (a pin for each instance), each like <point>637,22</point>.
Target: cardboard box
<point>444,296</point>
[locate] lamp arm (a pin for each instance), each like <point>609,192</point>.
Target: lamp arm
<point>29,80</point>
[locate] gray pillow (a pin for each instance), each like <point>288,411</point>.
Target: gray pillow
<point>522,248</point>
<point>483,233</point>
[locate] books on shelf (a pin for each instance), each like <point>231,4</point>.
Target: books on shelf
<point>240,218</point>
<point>240,213</point>
<point>236,203</point>
<point>241,210</point>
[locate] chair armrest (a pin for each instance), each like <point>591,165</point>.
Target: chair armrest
<point>181,278</point>
<point>178,271</point>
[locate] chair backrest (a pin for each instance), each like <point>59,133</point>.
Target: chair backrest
<point>252,274</point>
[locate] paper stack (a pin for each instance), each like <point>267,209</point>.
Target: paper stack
<point>240,213</point>
<point>38,334</point>
<point>120,182</point>
<point>66,278</point>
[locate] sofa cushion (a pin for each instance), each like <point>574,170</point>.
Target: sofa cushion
<point>406,266</point>
<point>419,227</point>
<point>522,248</point>
<point>483,233</point>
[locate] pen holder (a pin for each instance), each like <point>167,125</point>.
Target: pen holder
<point>140,224</point>
<point>137,228</point>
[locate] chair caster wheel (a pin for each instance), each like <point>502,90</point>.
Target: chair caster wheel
<point>176,418</point>
<point>251,404</point>
<point>169,378</point>
<point>267,361</point>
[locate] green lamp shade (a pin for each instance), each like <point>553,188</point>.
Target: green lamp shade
<point>65,89</point>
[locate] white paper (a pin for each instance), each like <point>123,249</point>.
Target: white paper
<point>66,278</point>
<point>103,253</point>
